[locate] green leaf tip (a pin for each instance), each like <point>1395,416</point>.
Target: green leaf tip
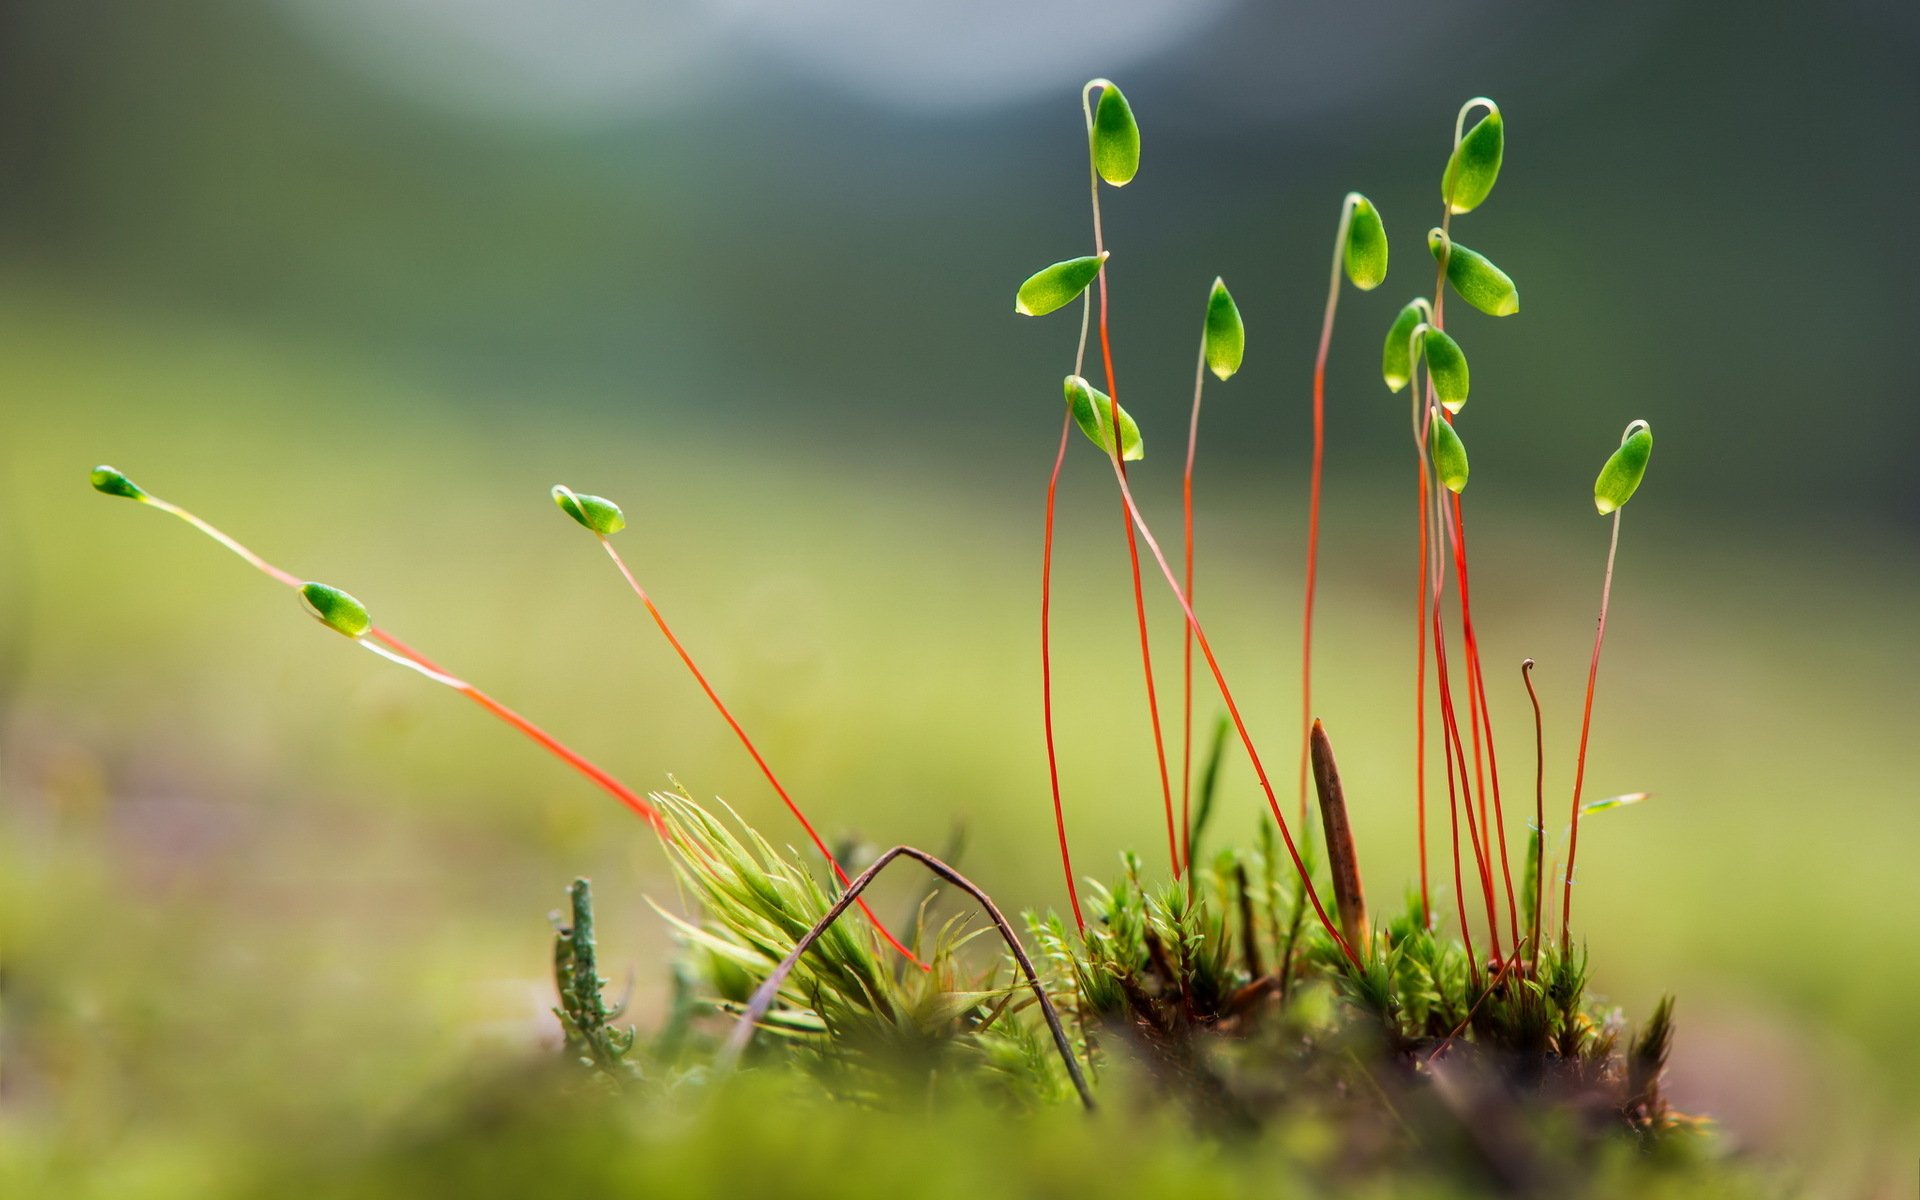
<point>1474,276</point>
<point>109,481</point>
<point>1449,453</point>
<point>597,513</point>
<point>335,609</point>
<point>1226,333</point>
<point>1396,356</point>
<point>1625,468</point>
<point>1365,251</point>
<point>1447,366</point>
<point>1093,412</point>
<point>1475,162</point>
<point>1057,286</point>
<point>1116,137</point>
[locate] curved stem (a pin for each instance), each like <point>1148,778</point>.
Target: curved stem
<point>763,996</point>
<point>747,742</point>
<point>1586,723</point>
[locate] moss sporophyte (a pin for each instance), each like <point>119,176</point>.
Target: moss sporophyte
<point>1230,976</point>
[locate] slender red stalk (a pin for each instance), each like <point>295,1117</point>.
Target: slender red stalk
<point>1539,808</point>
<point>1450,729</point>
<point>1586,723</point>
<point>753,751</point>
<point>1233,711</point>
<point>1420,712</point>
<point>1477,710</point>
<point>1133,550</point>
<point>1186,634</point>
<point>1313,501</point>
<point>1046,677</point>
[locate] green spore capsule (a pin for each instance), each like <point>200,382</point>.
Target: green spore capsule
<point>1447,366</point>
<point>1365,252</point>
<point>597,513</point>
<point>1475,162</point>
<point>1226,333</point>
<point>1449,453</point>
<point>1057,286</point>
<point>111,482</point>
<point>1475,278</point>
<point>1116,137</point>
<point>1625,468</point>
<point>1093,412</point>
<point>336,609</point>
<point>1396,356</point>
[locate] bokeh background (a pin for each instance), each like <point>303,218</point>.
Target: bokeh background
<point>359,280</point>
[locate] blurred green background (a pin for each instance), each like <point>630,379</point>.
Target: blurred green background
<point>360,280</point>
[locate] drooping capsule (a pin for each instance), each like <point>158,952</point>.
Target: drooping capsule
<point>1116,137</point>
<point>1475,278</point>
<point>335,609</point>
<point>1447,367</point>
<point>1364,253</point>
<point>1054,287</point>
<point>1093,412</point>
<point>1396,356</point>
<point>111,482</point>
<point>1448,452</point>
<point>1474,164</point>
<point>1226,333</point>
<point>1624,469</point>
<point>597,513</point>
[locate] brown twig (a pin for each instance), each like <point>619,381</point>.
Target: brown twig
<point>763,997</point>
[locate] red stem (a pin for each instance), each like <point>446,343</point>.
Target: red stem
<point>1313,542</point>
<point>1420,708</point>
<point>818,843</point>
<point>1046,676</point>
<point>1186,635</point>
<point>1586,722</point>
<point>1539,808</point>
<point>1139,598</point>
<point>1450,728</point>
<point>1477,685</point>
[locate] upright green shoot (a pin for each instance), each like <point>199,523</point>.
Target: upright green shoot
<point>1618,480</point>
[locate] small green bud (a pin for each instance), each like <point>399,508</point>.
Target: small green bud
<point>1226,334</point>
<point>335,609</point>
<point>1365,253</point>
<point>1475,162</point>
<point>1116,138</point>
<point>1447,367</point>
<point>1396,357</point>
<point>1475,278</point>
<point>1093,412</point>
<point>1448,452</point>
<point>1625,468</point>
<point>111,482</point>
<point>597,513</point>
<point>1057,286</point>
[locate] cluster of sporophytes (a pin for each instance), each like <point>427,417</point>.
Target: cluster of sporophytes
<point>1229,980</point>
